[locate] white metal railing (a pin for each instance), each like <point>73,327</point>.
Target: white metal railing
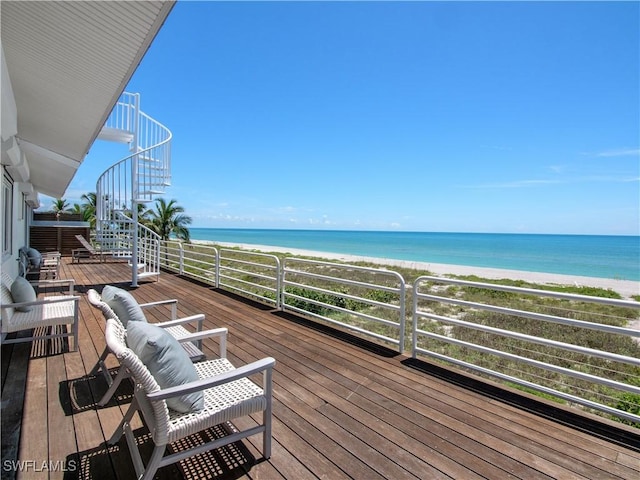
<point>378,310</point>
<point>153,158</point>
<point>517,337</point>
<point>123,116</point>
<point>195,261</point>
<point>370,301</point>
<point>498,341</point>
<point>133,181</point>
<point>118,239</point>
<point>252,274</point>
<point>116,236</point>
<point>148,248</point>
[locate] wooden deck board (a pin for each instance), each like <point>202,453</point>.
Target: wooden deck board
<point>343,407</point>
<point>33,435</point>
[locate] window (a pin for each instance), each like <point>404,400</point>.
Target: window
<point>7,215</point>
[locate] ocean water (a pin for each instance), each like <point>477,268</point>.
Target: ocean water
<point>604,256</point>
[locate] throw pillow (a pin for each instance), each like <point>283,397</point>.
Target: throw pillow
<point>123,305</point>
<point>23,262</point>
<point>22,291</point>
<point>35,257</point>
<point>167,361</point>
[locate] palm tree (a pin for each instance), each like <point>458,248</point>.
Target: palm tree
<point>168,219</point>
<point>89,202</point>
<point>145,215</point>
<point>60,205</point>
<point>88,208</point>
<point>87,216</point>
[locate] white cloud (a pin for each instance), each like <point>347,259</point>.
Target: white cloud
<point>536,183</point>
<point>620,152</point>
<point>609,178</point>
<point>518,184</point>
<point>502,148</point>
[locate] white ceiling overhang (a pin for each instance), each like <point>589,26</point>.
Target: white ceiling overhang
<point>68,62</point>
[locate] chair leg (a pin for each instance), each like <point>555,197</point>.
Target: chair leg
<point>154,462</point>
<point>124,423</point>
<point>266,435</point>
<point>267,413</point>
<point>100,363</point>
<point>138,465</point>
<point>122,374</point>
<point>75,336</point>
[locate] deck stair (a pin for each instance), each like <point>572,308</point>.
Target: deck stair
<point>124,189</point>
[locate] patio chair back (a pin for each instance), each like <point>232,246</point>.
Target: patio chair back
<point>156,414</point>
<point>191,341</point>
<point>96,300</point>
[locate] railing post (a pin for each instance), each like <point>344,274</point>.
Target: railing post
<point>403,313</point>
<point>217,277</point>
<point>279,284</point>
<point>135,192</point>
<point>181,258</point>
<point>134,248</point>
<point>414,319</point>
<point>158,260</point>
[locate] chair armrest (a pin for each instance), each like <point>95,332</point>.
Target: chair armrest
<point>185,320</point>
<point>43,301</point>
<point>173,302</point>
<point>222,333</point>
<point>52,283</point>
<point>159,302</point>
<point>215,332</point>
<point>262,365</point>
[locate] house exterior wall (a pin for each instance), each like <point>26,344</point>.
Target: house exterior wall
<point>14,211</point>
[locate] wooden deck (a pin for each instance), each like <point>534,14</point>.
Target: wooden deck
<point>343,407</point>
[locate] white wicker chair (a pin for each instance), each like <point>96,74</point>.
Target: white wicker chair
<point>49,266</point>
<point>47,312</point>
<point>190,341</point>
<point>228,394</point>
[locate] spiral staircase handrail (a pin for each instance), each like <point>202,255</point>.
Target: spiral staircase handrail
<point>141,152</point>
<point>136,179</point>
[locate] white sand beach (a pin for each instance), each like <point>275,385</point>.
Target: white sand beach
<point>626,288</point>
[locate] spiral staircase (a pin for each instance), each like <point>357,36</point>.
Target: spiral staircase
<point>124,189</point>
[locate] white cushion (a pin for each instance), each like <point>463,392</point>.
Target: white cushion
<point>167,361</point>
<point>123,304</point>
<point>22,291</point>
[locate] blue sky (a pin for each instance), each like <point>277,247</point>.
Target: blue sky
<point>420,116</point>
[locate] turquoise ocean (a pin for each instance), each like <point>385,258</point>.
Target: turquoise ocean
<point>604,256</point>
